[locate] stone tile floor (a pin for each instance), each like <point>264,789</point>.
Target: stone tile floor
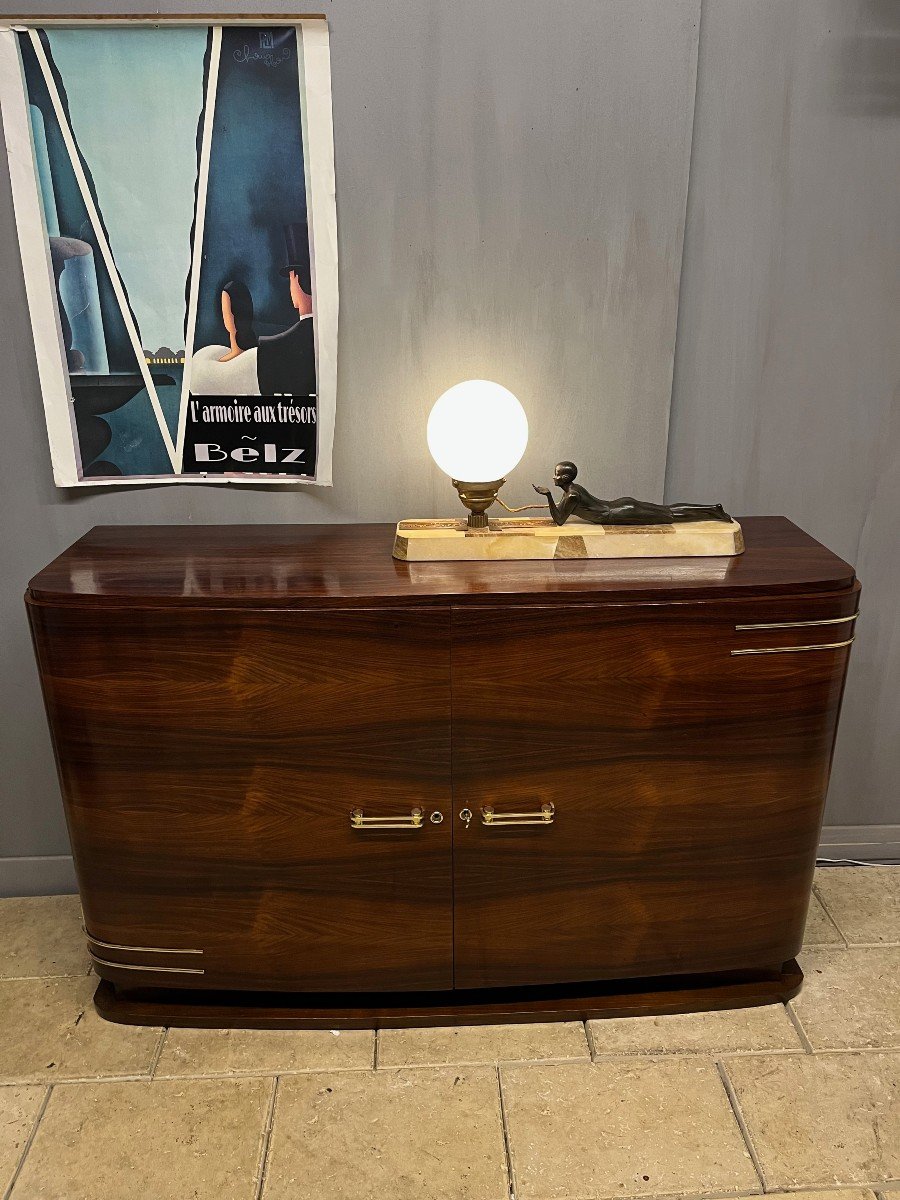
<point>803,1098</point>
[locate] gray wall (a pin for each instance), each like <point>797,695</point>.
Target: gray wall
<point>786,395</point>
<point>512,180</point>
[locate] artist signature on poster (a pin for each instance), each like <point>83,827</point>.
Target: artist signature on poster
<point>266,54</point>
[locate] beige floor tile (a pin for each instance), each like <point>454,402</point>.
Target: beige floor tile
<point>19,1107</point>
<point>263,1051</point>
<point>820,929</point>
<point>850,999</point>
<point>482,1044</point>
<point>822,1119</point>
<point>424,1134</point>
<point>40,936</point>
<point>864,901</point>
<point>166,1140</point>
<point>731,1031</point>
<point>623,1128</point>
<point>51,1031</point>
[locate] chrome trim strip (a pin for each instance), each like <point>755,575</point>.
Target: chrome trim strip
<point>105,962</point>
<point>138,949</point>
<point>794,649</point>
<point>801,624</point>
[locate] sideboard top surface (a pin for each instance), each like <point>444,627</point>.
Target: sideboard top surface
<point>308,566</point>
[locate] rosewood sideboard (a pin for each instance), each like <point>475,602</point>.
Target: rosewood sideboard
<point>309,785</point>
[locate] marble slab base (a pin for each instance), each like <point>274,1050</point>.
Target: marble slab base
<point>538,538</point>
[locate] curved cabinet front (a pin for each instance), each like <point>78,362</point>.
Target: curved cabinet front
<point>292,764</point>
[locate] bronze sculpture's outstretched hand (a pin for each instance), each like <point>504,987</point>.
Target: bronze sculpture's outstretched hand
<point>540,489</point>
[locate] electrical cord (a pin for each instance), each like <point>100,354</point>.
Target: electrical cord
<point>855,862</point>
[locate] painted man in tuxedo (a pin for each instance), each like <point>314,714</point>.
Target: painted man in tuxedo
<point>286,362</point>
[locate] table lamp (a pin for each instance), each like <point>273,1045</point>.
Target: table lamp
<point>477,433</point>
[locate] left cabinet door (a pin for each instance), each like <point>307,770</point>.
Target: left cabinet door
<point>211,761</point>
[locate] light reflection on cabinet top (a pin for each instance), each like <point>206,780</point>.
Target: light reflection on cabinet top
<point>312,566</point>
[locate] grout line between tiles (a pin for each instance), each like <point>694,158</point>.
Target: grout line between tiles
<point>266,1140</point>
<point>476,1062</point>
<point>798,1025</point>
<point>517,1064</point>
<point>736,1194</point>
<point>826,1051</point>
<point>510,1181</point>
<point>710,1054</point>
<point>741,1123</point>
<point>158,1052</point>
<point>823,1050</point>
<point>720,1195</point>
<point>257,1073</point>
<point>38,978</point>
<point>28,1142</point>
<point>33,1081</point>
<point>375,1051</point>
<point>590,1040</point>
<point>321,1069</point>
<point>821,899</point>
<point>800,1190</point>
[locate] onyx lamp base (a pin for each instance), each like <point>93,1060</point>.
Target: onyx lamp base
<point>510,538</point>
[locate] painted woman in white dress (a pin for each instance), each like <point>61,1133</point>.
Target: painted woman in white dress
<point>229,370</point>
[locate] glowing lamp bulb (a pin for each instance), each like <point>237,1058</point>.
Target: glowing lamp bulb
<point>477,433</point>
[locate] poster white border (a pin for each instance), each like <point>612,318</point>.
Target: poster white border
<point>318,157</point>
<point>318,144</point>
<point>34,247</point>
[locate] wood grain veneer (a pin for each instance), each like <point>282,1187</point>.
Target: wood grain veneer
<point>687,785</point>
<point>210,767</point>
<point>221,698</point>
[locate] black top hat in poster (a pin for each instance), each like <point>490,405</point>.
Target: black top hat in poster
<point>174,195</point>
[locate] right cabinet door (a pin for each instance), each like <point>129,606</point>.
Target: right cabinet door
<point>630,797</point>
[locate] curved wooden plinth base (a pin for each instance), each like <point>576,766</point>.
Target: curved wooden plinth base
<point>572,1002</point>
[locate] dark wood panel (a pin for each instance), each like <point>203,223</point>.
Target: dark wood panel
<point>209,763</point>
<point>688,787</point>
<point>341,565</point>
<point>626,998</point>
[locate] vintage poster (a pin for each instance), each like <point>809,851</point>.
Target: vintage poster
<point>174,195</point>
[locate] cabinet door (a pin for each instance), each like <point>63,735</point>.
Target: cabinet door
<point>686,786</point>
<point>210,762</point>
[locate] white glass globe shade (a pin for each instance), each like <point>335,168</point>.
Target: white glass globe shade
<point>477,431</point>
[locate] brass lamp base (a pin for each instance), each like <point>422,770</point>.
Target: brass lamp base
<point>478,498</point>
<point>510,538</point>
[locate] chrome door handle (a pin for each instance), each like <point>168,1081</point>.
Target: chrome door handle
<point>544,816</point>
<point>358,820</point>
